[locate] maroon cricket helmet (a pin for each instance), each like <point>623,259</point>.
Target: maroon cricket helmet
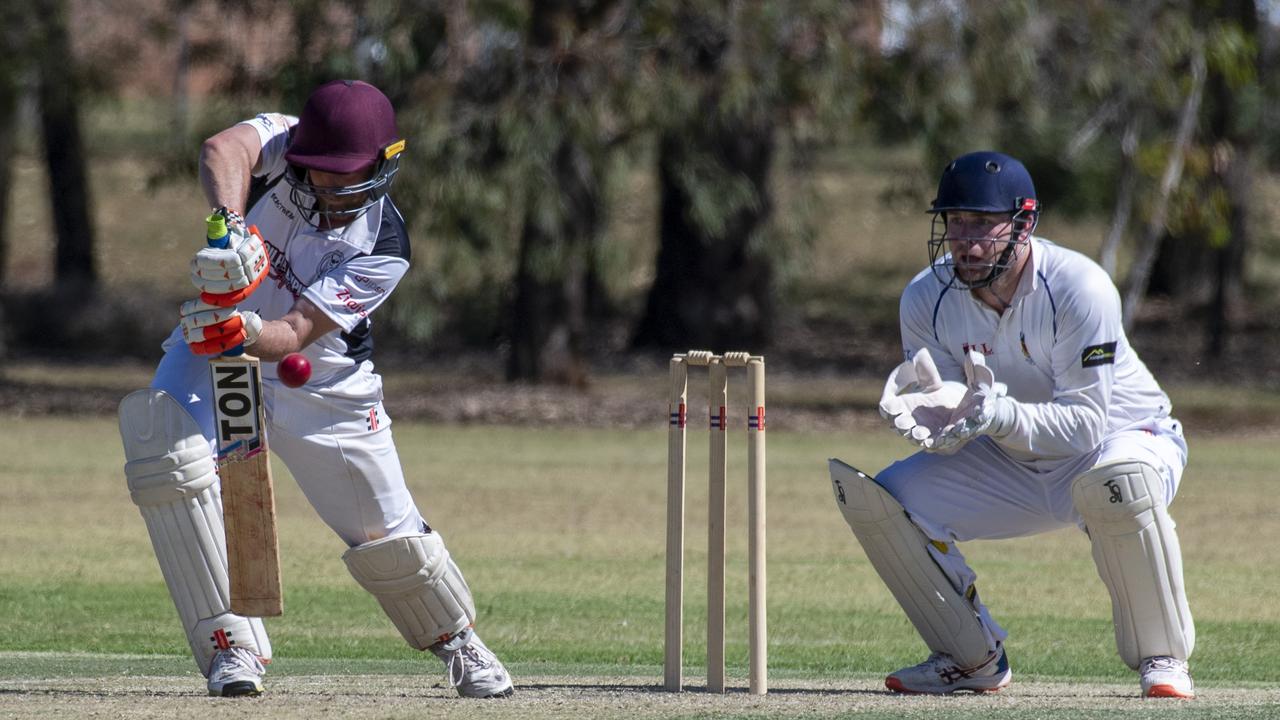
<point>346,126</point>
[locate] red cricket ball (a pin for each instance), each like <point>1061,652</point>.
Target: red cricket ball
<point>294,370</point>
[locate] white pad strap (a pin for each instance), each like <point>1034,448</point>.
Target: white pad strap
<point>1136,550</point>
<point>420,589</point>
<point>173,481</point>
<point>944,615</point>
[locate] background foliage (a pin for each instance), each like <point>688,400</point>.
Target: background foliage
<point>590,177</point>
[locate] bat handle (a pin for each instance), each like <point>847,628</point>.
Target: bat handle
<point>217,235</point>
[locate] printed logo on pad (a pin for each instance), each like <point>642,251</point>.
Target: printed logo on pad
<point>1095,355</point>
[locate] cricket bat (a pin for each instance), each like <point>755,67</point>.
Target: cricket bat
<point>248,495</point>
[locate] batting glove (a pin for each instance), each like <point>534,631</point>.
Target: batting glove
<point>227,275</point>
<point>986,408</point>
<point>212,330</point>
<point>917,401</point>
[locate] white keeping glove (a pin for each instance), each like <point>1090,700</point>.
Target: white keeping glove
<point>985,410</point>
<point>227,275</point>
<point>917,401</point>
<point>211,330</point>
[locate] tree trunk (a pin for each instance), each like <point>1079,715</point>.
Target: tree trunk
<point>182,76</point>
<point>1140,273</point>
<point>74,270</point>
<point>549,313</point>
<point>712,288</point>
<point>1108,254</point>
<point>1234,172</point>
<point>8,146</point>
<point>555,282</point>
<point>1228,260</point>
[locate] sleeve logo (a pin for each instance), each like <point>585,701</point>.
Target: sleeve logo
<point>1095,355</point>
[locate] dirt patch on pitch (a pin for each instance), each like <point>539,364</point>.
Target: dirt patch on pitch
<point>388,696</point>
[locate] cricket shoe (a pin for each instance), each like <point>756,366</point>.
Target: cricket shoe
<point>1166,677</point>
<point>472,667</point>
<point>236,672</point>
<point>940,675</point>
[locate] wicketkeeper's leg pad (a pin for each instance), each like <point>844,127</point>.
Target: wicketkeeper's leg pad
<point>417,584</point>
<point>946,616</point>
<point>173,478</point>
<point>1135,548</point>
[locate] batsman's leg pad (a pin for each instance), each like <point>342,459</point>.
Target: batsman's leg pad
<point>1136,550</point>
<point>172,478</point>
<point>416,582</point>
<point>944,614</point>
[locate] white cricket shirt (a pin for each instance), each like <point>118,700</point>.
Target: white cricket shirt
<point>1060,347</point>
<point>347,272</point>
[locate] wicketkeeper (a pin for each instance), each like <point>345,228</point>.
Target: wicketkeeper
<point>1032,413</point>
<point>332,247</point>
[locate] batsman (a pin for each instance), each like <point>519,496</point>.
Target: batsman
<point>329,248</point>
<point>1031,412</point>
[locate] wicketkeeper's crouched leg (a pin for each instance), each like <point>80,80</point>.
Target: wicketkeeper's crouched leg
<point>1136,550</point>
<point>172,478</point>
<point>420,588</point>
<point>928,577</point>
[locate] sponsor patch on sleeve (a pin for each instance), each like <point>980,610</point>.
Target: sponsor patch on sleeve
<point>1095,355</point>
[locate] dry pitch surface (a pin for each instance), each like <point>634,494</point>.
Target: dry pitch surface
<point>394,696</point>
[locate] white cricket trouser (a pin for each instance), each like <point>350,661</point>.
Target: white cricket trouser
<point>336,442</point>
<point>980,493</point>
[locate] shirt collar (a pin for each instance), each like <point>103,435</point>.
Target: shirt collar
<point>362,232</point>
<point>1030,280</point>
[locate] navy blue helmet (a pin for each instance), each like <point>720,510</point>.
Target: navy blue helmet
<point>984,182</point>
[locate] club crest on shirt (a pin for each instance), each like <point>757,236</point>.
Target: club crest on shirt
<point>331,260</point>
<point>1095,355</point>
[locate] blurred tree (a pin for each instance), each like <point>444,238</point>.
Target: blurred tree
<point>713,280</point>
<point>514,110</point>
<point>58,91</point>
<point>575,62</point>
<point>1100,100</point>
<point>1235,100</point>
<point>14,31</point>
<point>730,81</point>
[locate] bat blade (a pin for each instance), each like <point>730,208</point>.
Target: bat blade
<point>248,497</point>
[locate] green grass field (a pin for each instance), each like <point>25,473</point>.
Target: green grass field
<point>560,533</point>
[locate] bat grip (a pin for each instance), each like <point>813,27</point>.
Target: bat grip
<point>218,236</point>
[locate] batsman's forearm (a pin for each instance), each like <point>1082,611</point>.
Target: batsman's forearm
<point>297,329</point>
<point>278,339</point>
<point>225,168</point>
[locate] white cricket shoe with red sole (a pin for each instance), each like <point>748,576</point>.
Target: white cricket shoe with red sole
<point>940,675</point>
<point>1166,677</point>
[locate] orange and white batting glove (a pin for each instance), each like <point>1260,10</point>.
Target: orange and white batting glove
<point>226,276</point>
<point>212,330</point>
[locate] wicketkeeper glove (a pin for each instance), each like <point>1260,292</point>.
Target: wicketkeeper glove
<point>212,330</point>
<point>917,401</point>
<point>985,410</point>
<point>227,275</point>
